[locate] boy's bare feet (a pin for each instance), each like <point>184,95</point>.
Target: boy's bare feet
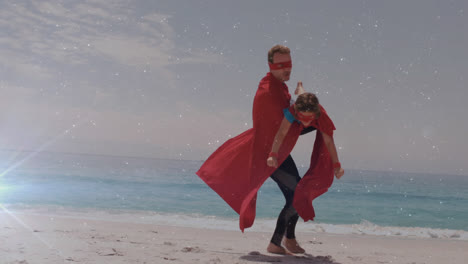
<point>272,248</point>
<point>293,246</point>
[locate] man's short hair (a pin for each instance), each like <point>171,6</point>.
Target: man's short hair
<point>277,49</point>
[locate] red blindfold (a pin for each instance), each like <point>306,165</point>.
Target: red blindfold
<point>304,118</point>
<point>280,65</point>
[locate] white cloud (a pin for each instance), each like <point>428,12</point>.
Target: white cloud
<point>77,33</point>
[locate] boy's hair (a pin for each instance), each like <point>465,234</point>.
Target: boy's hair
<point>308,102</point>
<point>277,49</point>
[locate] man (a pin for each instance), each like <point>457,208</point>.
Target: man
<point>237,169</point>
<point>273,95</point>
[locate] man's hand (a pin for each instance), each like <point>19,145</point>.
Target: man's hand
<point>339,172</point>
<point>272,162</point>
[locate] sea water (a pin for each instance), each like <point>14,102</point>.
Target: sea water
<point>373,202</point>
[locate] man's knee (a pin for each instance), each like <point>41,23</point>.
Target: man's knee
<point>289,211</point>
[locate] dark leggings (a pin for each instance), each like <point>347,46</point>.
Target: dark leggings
<point>287,177</point>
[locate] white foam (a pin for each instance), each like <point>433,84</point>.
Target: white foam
<point>368,228</point>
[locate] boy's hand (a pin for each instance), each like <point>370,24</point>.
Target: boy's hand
<point>339,172</point>
<point>272,162</point>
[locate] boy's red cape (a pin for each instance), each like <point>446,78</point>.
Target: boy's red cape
<point>238,168</point>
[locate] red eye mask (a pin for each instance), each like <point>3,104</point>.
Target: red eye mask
<point>280,65</point>
<point>304,118</point>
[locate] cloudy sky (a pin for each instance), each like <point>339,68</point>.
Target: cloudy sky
<point>175,79</point>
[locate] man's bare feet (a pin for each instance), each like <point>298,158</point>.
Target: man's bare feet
<point>293,246</point>
<point>272,248</point>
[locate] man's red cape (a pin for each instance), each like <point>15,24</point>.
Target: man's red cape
<point>238,168</point>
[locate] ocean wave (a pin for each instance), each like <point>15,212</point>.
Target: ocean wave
<point>369,228</point>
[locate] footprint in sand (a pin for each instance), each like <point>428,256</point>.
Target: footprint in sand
<point>193,249</point>
<point>113,253</point>
<point>215,261</point>
<point>355,258</point>
<point>325,258</point>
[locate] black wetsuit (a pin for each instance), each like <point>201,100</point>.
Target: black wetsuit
<point>287,177</point>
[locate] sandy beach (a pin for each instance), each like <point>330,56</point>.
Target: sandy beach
<point>31,237</point>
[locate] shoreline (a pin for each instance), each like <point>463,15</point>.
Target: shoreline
<point>231,224</point>
<point>28,236</point>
